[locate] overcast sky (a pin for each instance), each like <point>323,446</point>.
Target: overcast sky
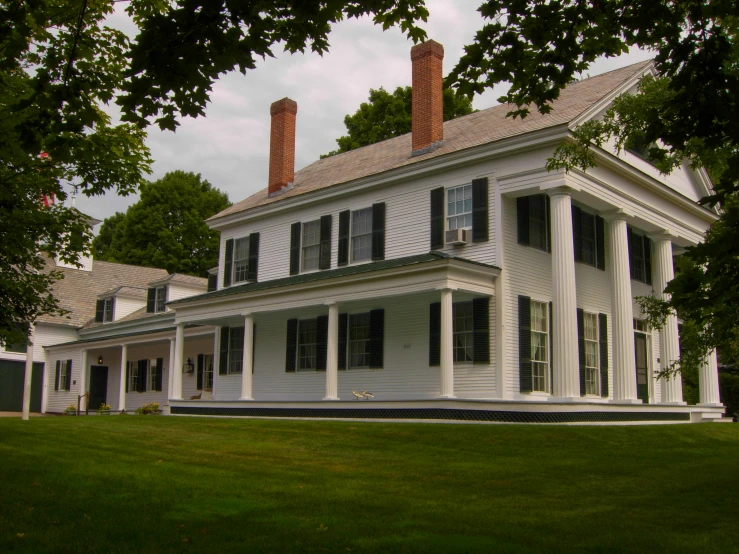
<point>230,145</point>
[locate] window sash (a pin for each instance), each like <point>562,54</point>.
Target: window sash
<point>108,310</point>
<point>63,375</point>
<point>538,227</point>
<point>463,332</point>
<point>459,207</point>
<point>161,298</point>
<point>133,376</point>
<point>311,245</point>
<point>307,344</point>
<point>236,350</point>
<point>361,232</point>
<point>359,341</point>
<point>240,259</point>
<point>152,373</point>
<point>592,351</point>
<point>540,346</point>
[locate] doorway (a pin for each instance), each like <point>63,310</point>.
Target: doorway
<point>641,353</point>
<point>98,386</point>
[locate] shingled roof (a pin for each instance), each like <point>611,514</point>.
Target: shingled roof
<point>79,289</point>
<point>472,130</point>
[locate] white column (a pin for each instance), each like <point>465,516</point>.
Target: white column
<point>622,312</point>
<point>122,386</point>
<point>27,378</point>
<point>246,366</point>
<point>669,342</point>
<point>332,354</point>
<point>83,381</point>
<point>565,355</point>
<point>179,351</point>
<point>708,381</point>
<point>170,364</point>
<point>447,344</point>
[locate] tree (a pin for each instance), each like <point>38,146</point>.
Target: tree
<point>688,112</point>
<point>389,115</point>
<point>61,64</point>
<point>166,228</point>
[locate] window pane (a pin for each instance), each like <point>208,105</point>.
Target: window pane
<point>161,296</point>
<point>463,332</point>
<point>587,233</point>
<point>311,244</point>
<point>236,350</point>
<point>108,313</point>
<point>241,259</point>
<point>307,344</point>
<point>362,235</point>
<point>459,207</point>
<point>359,338</point>
<point>538,222</point>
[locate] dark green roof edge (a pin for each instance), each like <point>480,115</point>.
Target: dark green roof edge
<point>121,336</point>
<point>330,274</point>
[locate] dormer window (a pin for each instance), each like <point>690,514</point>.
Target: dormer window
<point>156,299</point>
<point>104,310</point>
<point>241,260</point>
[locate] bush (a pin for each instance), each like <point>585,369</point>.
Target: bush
<point>729,391</point>
<point>152,408</point>
<point>70,410</point>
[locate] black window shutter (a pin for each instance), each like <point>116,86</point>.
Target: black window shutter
<point>223,359</point>
<point>437,218</point>
<point>199,376</point>
<point>629,239</point>
<point>600,242</point>
<point>141,385</point>
<point>158,383</point>
<point>343,330</point>
<point>522,211</point>
<point>524,344</point>
<point>378,231</point>
<point>58,374</point>
<point>377,339</point>
<point>551,347</point>
<point>295,230</point>
<point>252,270</point>
<point>321,342</point>
<point>343,256</point>
<point>228,263</point>
<point>480,218</point>
<point>292,345</point>
<point>648,260</point>
<point>212,282</point>
<point>548,203</point>
<point>603,343</point>
<point>324,256</point>
<point>481,325</point>
<point>435,334</point>
<point>100,311</point>
<point>253,346</point>
<point>581,347</point>
<point>68,372</point>
<point>577,232</point>
<point>151,300</point>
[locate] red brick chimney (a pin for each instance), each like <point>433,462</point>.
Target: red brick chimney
<point>282,145</point>
<point>427,122</point>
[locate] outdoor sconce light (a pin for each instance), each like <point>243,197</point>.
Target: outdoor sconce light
<point>100,360</point>
<point>190,367</point>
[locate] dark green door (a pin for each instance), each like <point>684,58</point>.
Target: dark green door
<point>98,386</point>
<point>642,367</point>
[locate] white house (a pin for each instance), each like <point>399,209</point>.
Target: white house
<point>446,272</point>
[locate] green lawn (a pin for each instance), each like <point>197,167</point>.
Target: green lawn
<point>165,484</point>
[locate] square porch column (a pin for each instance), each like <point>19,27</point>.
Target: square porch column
<point>122,385</point>
<point>179,351</point>
<point>447,345</point>
<point>332,354</point>
<point>247,366</point>
<point>27,377</point>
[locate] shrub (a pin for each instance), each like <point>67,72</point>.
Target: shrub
<point>152,408</point>
<point>70,410</point>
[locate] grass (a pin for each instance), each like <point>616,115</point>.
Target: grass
<point>165,484</point>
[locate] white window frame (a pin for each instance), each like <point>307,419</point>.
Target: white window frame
<point>306,248</point>
<point>133,375</point>
<point>357,237</point>
<point>208,371</point>
<point>311,347</point>
<point>160,298</point>
<point>108,306</point>
<point>240,264</point>
<point>463,333</point>
<point>63,377</point>
<point>358,346</point>
<point>150,374</point>
<point>452,219</point>
<point>592,370</point>
<point>540,369</point>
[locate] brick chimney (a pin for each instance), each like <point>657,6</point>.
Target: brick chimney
<point>427,122</point>
<point>282,145</point>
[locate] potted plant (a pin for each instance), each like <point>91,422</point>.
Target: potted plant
<point>104,409</point>
<point>70,410</point>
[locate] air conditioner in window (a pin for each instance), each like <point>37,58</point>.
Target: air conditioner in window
<point>457,236</point>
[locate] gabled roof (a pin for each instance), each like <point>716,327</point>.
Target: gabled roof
<point>182,279</point>
<point>136,292</point>
<point>459,134</point>
<point>79,289</point>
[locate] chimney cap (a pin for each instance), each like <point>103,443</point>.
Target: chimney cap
<point>428,48</point>
<point>286,105</point>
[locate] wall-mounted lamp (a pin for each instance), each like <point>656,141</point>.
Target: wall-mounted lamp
<point>189,366</point>
<point>100,360</point>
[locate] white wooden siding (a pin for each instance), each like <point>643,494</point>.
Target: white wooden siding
<point>175,291</point>
<point>125,306</point>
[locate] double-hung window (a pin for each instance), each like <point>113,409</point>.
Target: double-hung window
<point>640,257</point>
<point>208,371</point>
<point>587,236</point>
<point>592,362</point>
<point>361,235</point>
<point>459,207</point>
<point>540,346</point>
<point>236,350</point>
<point>241,260</point>
<point>108,309</point>
<point>161,298</point>
<point>463,332</point>
<point>359,341</point>
<point>307,344</point>
<point>538,222</point>
<point>155,375</point>
<point>133,376</point>
<point>311,245</point>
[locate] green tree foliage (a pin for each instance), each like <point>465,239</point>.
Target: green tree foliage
<point>389,115</point>
<point>166,228</point>
<point>688,112</point>
<point>61,64</point>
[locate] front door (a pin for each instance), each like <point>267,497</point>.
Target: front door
<point>98,386</point>
<point>642,367</point>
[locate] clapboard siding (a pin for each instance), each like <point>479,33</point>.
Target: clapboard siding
<point>58,401</point>
<point>125,306</point>
<point>48,335</point>
<point>175,291</point>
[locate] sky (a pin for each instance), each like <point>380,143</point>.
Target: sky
<point>229,147</point>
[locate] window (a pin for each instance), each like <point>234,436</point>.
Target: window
<point>459,207</point>
<point>463,332</point>
<point>108,309</point>
<point>241,259</point>
<point>133,377</point>
<point>361,235</point>
<point>63,375</point>
<point>359,341</point>
<point>236,350</point>
<point>540,346</point>
<point>161,298</point>
<point>592,365</point>
<point>155,372</point>
<point>208,371</point>
<point>307,342</point>
<point>538,222</point>
<point>641,325</point>
<point>587,236</point>
<point>636,248</point>
<point>311,245</point>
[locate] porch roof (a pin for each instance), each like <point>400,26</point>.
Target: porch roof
<point>115,337</point>
<point>331,274</point>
